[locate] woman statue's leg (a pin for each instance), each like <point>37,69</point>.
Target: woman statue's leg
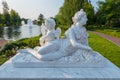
<point>48,48</point>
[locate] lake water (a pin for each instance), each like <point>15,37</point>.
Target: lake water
<point>16,33</point>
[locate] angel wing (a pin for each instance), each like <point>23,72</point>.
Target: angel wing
<point>43,29</point>
<point>57,33</point>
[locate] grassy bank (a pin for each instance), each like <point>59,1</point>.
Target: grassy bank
<point>106,48</point>
<point>11,48</point>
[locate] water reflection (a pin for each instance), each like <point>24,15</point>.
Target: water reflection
<point>16,33</point>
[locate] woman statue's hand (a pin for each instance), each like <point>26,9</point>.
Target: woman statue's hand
<point>80,46</point>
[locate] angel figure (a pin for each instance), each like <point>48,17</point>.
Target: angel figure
<point>49,39</point>
<point>48,32</point>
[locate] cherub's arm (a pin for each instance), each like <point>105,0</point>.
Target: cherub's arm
<point>57,33</point>
<point>43,29</point>
<point>42,40</point>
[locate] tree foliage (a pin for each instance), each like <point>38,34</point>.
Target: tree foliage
<point>69,8</point>
<point>14,18</point>
<point>40,19</point>
<point>6,16</point>
<point>5,7</point>
<point>1,20</point>
<point>109,13</point>
<point>89,9</point>
<point>6,19</point>
<point>67,11</point>
<point>11,18</point>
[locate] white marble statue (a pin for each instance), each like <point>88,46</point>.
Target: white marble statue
<point>77,32</point>
<point>74,49</point>
<point>53,48</point>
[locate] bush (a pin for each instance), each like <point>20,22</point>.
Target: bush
<point>10,49</point>
<point>3,58</point>
<point>92,28</point>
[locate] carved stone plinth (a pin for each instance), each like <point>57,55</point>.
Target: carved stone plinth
<point>108,72</point>
<point>81,58</point>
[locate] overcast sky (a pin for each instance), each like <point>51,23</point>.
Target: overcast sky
<point>32,8</point>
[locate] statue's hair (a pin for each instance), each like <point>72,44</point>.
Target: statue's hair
<point>78,15</point>
<point>51,22</point>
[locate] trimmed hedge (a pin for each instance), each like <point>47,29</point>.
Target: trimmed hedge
<point>10,49</point>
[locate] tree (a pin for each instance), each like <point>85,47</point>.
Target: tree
<point>6,19</point>
<point>9,19</point>
<point>14,18</point>
<point>69,8</point>
<point>40,19</point>
<point>109,13</point>
<point>6,15</point>
<point>89,9</point>
<point>1,20</point>
<point>5,7</point>
<point>1,24</point>
<point>66,12</point>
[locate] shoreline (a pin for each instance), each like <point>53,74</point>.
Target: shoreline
<point>3,42</point>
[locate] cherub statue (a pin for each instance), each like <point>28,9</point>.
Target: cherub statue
<point>72,49</point>
<point>48,31</point>
<point>49,38</point>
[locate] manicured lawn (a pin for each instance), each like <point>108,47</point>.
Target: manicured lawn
<point>105,47</point>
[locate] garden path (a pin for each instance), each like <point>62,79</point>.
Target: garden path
<point>108,37</point>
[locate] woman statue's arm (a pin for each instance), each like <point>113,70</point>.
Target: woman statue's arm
<point>75,43</point>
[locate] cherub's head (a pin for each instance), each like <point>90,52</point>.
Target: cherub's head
<point>80,16</point>
<point>50,24</point>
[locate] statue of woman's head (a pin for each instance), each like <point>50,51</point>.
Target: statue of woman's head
<point>50,23</point>
<point>80,16</point>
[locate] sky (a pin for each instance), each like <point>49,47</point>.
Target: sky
<point>32,8</point>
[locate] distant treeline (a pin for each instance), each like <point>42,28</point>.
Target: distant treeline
<point>106,15</point>
<point>9,18</point>
<point>12,18</point>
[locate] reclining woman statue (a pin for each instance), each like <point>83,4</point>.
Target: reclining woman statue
<point>54,48</point>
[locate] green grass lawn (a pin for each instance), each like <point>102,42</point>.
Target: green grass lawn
<point>105,47</point>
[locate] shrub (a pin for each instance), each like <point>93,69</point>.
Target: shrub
<point>10,49</point>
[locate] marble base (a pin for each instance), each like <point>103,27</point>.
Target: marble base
<point>9,72</point>
<point>26,60</point>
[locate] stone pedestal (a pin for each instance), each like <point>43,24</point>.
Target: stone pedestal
<point>77,60</point>
<point>108,72</point>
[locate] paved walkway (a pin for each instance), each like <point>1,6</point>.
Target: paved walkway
<point>108,37</point>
